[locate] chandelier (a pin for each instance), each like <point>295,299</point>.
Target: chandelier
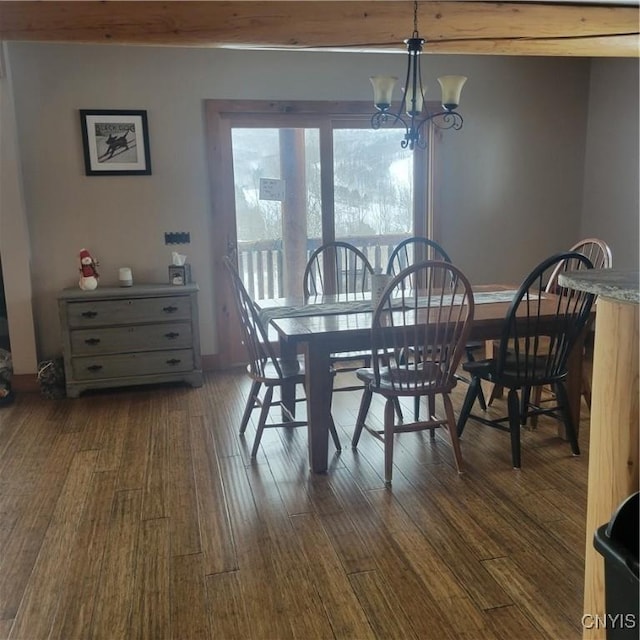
<point>413,113</point>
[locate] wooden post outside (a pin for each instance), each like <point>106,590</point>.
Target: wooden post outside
<point>294,209</point>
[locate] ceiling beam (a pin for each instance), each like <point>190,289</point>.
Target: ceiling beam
<point>505,28</point>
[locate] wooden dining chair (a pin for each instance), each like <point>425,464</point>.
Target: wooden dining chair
<point>417,249</point>
<point>340,268</point>
<point>533,351</point>
<point>600,256</point>
<point>432,321</point>
<point>264,368</point>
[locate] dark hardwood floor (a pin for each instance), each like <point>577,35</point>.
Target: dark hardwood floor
<point>139,514</point>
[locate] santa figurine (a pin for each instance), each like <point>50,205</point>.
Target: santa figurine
<point>88,273</point>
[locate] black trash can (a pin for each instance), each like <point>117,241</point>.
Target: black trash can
<point>617,541</point>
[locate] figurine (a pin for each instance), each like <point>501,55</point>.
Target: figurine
<point>88,273</point>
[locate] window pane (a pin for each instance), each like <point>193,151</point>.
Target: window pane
<point>373,179</point>
<point>278,204</point>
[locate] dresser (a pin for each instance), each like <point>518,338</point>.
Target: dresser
<point>123,336</point>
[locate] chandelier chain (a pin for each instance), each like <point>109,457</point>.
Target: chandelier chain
<point>415,19</point>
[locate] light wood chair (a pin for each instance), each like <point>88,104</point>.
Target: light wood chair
<point>418,249</point>
<point>340,268</point>
<point>432,321</point>
<point>264,368</point>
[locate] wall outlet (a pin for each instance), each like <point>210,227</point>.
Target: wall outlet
<point>177,237</point>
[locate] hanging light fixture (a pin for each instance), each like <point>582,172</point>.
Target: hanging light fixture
<point>413,112</point>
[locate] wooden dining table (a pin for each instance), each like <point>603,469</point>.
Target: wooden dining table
<point>341,325</point>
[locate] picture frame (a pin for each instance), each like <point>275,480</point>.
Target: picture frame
<point>115,142</point>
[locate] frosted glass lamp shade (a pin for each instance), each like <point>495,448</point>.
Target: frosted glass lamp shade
<point>451,90</point>
<point>409,107</point>
<point>382,91</point>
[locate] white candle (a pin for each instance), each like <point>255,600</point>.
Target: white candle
<point>125,277</point>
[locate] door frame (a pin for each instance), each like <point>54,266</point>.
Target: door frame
<point>221,116</point>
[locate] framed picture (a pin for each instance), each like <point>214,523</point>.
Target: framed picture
<point>115,142</point>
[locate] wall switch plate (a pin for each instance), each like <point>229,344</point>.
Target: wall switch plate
<point>177,237</point>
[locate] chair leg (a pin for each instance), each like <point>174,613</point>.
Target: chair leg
<point>536,400</point>
<point>453,434</point>
<point>398,408</point>
<point>525,397</point>
<point>481,401</point>
<point>250,406</point>
<point>334,434</point>
<point>586,388</point>
<point>388,441</point>
<point>266,404</point>
<point>416,408</point>
<point>563,401</point>
<point>469,399</point>
<point>365,403</point>
<point>513,403</point>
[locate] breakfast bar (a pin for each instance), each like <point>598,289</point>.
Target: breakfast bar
<point>613,444</point>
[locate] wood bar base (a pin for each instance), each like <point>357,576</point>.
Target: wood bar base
<point>613,448</point>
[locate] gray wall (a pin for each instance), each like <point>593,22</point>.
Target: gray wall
<point>511,187</point>
<point>611,176</point>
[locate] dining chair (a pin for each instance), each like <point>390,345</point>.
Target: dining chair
<point>417,249</point>
<point>599,253</point>
<point>337,268</point>
<point>340,268</point>
<point>433,322</point>
<point>264,368</point>
<point>533,350</point>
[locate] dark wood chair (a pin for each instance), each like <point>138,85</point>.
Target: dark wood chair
<point>264,368</point>
<point>418,249</point>
<point>419,337</point>
<point>533,351</point>
<point>601,257</point>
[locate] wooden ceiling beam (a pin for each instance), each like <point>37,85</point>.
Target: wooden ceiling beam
<point>503,28</point>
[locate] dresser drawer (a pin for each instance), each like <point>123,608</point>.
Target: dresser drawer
<point>132,364</point>
<point>128,311</point>
<point>143,337</point>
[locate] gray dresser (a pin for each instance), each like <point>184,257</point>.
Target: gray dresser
<point>122,336</point>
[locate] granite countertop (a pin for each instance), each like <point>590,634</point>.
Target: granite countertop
<point>614,284</point>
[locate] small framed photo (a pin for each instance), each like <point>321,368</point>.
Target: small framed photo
<point>115,142</point>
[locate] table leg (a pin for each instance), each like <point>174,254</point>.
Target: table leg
<point>318,388</point>
<point>288,351</point>
<point>573,385</point>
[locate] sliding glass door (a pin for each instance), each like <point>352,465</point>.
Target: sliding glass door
<point>285,182</point>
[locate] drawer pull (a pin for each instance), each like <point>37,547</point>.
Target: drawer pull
<point>174,361</point>
<point>171,335</point>
<point>94,367</point>
<point>170,309</point>
<point>89,314</point>
<point>92,341</point>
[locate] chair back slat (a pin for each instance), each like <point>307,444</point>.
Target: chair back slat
<point>535,344</point>
<point>337,268</point>
<point>255,336</point>
<point>419,334</point>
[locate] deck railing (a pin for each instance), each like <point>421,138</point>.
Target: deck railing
<point>261,264</point>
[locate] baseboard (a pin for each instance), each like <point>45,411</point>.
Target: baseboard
<point>210,362</point>
<point>25,382</point>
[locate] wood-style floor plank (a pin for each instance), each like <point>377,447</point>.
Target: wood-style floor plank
<point>138,513</point>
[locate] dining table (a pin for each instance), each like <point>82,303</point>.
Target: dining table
<point>322,325</point>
